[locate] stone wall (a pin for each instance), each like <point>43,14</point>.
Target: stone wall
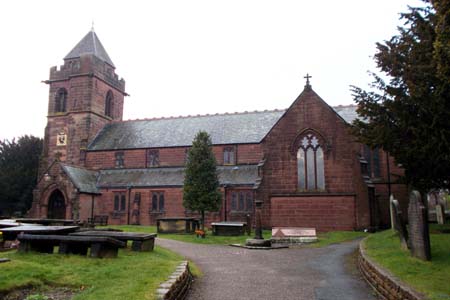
<point>323,212</point>
<point>178,284</point>
<point>168,157</point>
<point>383,282</point>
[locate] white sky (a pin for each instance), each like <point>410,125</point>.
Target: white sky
<point>193,57</point>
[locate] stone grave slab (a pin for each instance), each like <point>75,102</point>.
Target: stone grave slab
<point>293,235</point>
<point>399,224</point>
<point>419,238</point>
<point>440,214</point>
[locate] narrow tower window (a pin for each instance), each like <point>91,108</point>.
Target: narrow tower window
<point>61,100</point>
<point>109,104</point>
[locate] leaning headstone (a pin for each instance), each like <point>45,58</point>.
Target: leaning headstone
<point>440,214</point>
<point>419,237</point>
<point>399,224</point>
<point>391,211</point>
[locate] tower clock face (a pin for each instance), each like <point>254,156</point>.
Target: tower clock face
<point>61,139</point>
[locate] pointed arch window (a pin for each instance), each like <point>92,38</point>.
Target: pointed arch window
<point>61,100</point>
<point>310,163</point>
<point>109,104</point>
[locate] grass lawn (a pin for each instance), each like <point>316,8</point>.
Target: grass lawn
<point>325,239</point>
<point>192,238</point>
<point>132,275</point>
<point>335,237</point>
<point>431,278</point>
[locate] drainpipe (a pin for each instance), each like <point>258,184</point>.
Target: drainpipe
<point>388,174</point>
<point>129,203</point>
<point>92,208</point>
<point>225,202</point>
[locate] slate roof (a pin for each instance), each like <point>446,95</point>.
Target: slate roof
<point>172,177</point>
<point>90,44</point>
<point>84,180</point>
<point>347,112</point>
<point>237,128</point>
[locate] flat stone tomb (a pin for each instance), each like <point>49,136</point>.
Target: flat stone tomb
<point>229,228</point>
<point>100,246</point>
<point>6,223</point>
<point>55,222</point>
<point>11,233</point>
<point>176,225</point>
<point>293,235</point>
<point>141,241</point>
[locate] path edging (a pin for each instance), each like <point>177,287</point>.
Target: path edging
<point>178,284</point>
<point>382,281</point>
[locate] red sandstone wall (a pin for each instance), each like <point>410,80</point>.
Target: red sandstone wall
<point>175,156</point>
<point>173,207</point>
<point>280,170</point>
<point>321,212</point>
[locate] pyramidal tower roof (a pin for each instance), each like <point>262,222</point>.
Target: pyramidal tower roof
<point>90,44</point>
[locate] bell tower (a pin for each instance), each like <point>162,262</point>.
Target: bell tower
<point>85,95</point>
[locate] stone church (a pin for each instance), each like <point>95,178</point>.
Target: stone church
<point>302,162</point>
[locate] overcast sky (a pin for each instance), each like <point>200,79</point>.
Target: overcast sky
<point>193,57</point>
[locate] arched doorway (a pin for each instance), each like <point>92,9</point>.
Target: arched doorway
<point>56,206</point>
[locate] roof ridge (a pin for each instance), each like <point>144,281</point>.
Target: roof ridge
<point>203,115</point>
<point>345,105</point>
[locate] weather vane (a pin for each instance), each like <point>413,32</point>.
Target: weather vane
<point>92,28</point>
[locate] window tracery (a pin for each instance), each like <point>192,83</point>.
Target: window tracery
<point>310,163</point>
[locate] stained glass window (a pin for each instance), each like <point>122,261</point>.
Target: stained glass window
<point>310,164</point>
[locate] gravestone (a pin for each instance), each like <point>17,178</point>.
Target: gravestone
<point>293,235</point>
<point>440,214</point>
<point>419,237</point>
<point>391,212</point>
<point>398,224</point>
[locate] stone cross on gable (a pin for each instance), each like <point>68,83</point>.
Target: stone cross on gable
<point>307,77</point>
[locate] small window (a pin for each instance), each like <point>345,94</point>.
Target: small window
<point>137,198</point>
<point>61,100</point>
<point>109,104</point>
<point>161,202</point>
<point>119,159</point>
<point>372,156</point>
<point>154,202</point>
<point>229,156</point>
<point>242,201</point>
<point>186,155</point>
<point>241,206</point>
<point>119,201</point>
<point>234,201</point>
<point>249,201</point>
<point>152,158</point>
<point>157,201</point>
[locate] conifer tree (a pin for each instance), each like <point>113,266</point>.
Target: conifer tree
<point>201,184</point>
<point>19,161</point>
<point>408,115</point>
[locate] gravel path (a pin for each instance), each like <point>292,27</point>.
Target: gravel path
<point>295,273</point>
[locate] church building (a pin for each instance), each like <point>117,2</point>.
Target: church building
<point>302,163</point>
